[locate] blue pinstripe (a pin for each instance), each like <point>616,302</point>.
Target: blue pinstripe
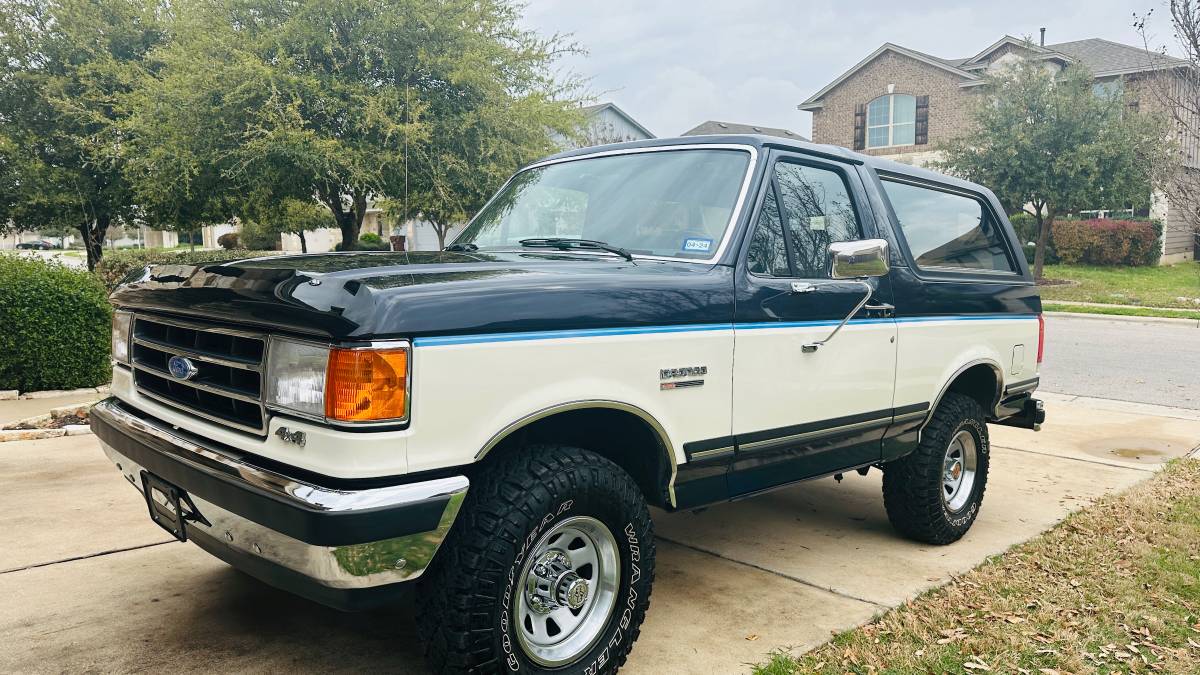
<point>447,340</point>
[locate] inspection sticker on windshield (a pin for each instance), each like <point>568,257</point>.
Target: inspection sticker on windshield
<point>697,245</point>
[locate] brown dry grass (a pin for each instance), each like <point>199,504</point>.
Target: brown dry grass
<point>1112,589</point>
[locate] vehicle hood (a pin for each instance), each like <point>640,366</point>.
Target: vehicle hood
<point>361,295</point>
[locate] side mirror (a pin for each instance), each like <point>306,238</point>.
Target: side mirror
<point>858,259</point>
<point>855,260</point>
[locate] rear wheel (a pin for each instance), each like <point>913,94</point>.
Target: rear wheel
<point>933,494</point>
<point>548,568</point>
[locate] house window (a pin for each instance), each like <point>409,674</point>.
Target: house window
<point>892,120</point>
<point>1107,90</point>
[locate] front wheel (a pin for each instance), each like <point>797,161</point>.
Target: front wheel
<point>548,568</point>
<point>933,494</point>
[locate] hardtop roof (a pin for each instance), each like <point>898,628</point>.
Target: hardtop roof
<point>763,142</point>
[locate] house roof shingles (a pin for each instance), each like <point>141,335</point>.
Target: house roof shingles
<point>713,127</point>
<point>1102,57</point>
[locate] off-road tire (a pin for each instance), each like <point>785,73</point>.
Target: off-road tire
<point>912,485</point>
<point>465,600</point>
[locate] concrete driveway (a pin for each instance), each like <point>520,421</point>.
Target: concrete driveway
<point>90,584</point>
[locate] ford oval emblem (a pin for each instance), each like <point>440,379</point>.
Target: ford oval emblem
<point>181,368</point>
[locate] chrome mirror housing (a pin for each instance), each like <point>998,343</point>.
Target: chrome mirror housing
<point>858,259</point>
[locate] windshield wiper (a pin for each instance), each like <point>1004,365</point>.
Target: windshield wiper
<point>467,247</point>
<point>567,243</point>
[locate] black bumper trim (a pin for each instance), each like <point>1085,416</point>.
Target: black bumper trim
<point>311,526</point>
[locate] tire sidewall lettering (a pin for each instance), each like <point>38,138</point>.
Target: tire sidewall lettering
<point>958,520</point>
<point>513,658</point>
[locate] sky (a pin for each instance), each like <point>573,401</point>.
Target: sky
<point>672,65</point>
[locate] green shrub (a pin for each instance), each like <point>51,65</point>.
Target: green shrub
<point>369,242</point>
<point>56,325</point>
<point>1108,242</point>
<point>259,236</point>
<point>373,242</point>
<point>116,265</point>
<point>229,241</point>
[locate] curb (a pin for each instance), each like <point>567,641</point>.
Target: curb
<point>1190,323</point>
<point>54,393</point>
<point>1117,405</point>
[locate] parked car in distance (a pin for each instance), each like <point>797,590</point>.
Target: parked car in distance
<point>37,244</point>
<point>670,323</point>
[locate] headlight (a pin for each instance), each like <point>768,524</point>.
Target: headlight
<point>296,376</point>
<point>350,385</point>
<point>122,323</point>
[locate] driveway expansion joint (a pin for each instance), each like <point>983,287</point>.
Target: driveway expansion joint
<point>760,568</point>
<point>1150,469</point>
<point>85,557</point>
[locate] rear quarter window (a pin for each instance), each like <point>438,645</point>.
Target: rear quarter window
<point>948,230</point>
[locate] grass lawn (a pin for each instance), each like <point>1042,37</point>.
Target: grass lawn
<point>1146,286</point>
<point>1122,311</point>
<point>1114,588</point>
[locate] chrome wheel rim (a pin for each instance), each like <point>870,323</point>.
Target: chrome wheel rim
<point>567,591</point>
<point>958,470</point>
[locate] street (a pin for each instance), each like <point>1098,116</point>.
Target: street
<point>1148,362</point>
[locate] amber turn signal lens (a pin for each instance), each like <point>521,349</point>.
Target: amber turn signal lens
<point>366,385</point>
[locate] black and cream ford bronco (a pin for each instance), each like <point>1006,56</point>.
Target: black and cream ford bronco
<point>671,323</point>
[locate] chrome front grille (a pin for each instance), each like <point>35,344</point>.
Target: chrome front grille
<point>227,386</point>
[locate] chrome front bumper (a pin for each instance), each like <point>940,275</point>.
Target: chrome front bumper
<point>329,544</point>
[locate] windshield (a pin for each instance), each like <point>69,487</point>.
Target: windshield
<point>673,203</point>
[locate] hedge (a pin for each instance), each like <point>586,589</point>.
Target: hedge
<point>1108,242</point>
<point>56,325</point>
<point>116,265</point>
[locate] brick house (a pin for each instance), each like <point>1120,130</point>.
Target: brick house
<point>899,103</point>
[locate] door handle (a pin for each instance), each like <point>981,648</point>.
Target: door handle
<point>803,287</point>
<point>886,308</point>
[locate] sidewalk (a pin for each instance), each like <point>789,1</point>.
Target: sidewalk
<point>1099,314</point>
<point>1078,303</point>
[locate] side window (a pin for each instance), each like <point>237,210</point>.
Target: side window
<point>768,250</point>
<point>944,229</point>
<point>817,211</point>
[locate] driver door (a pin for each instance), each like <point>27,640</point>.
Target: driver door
<point>801,413</point>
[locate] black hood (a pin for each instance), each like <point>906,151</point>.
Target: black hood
<point>410,294</point>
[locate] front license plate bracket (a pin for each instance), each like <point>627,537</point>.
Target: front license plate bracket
<point>170,507</point>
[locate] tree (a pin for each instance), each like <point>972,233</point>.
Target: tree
<point>1047,144</point>
<point>1176,91</point>
<point>66,64</point>
<point>263,101</point>
<point>289,216</point>
<point>471,150</point>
